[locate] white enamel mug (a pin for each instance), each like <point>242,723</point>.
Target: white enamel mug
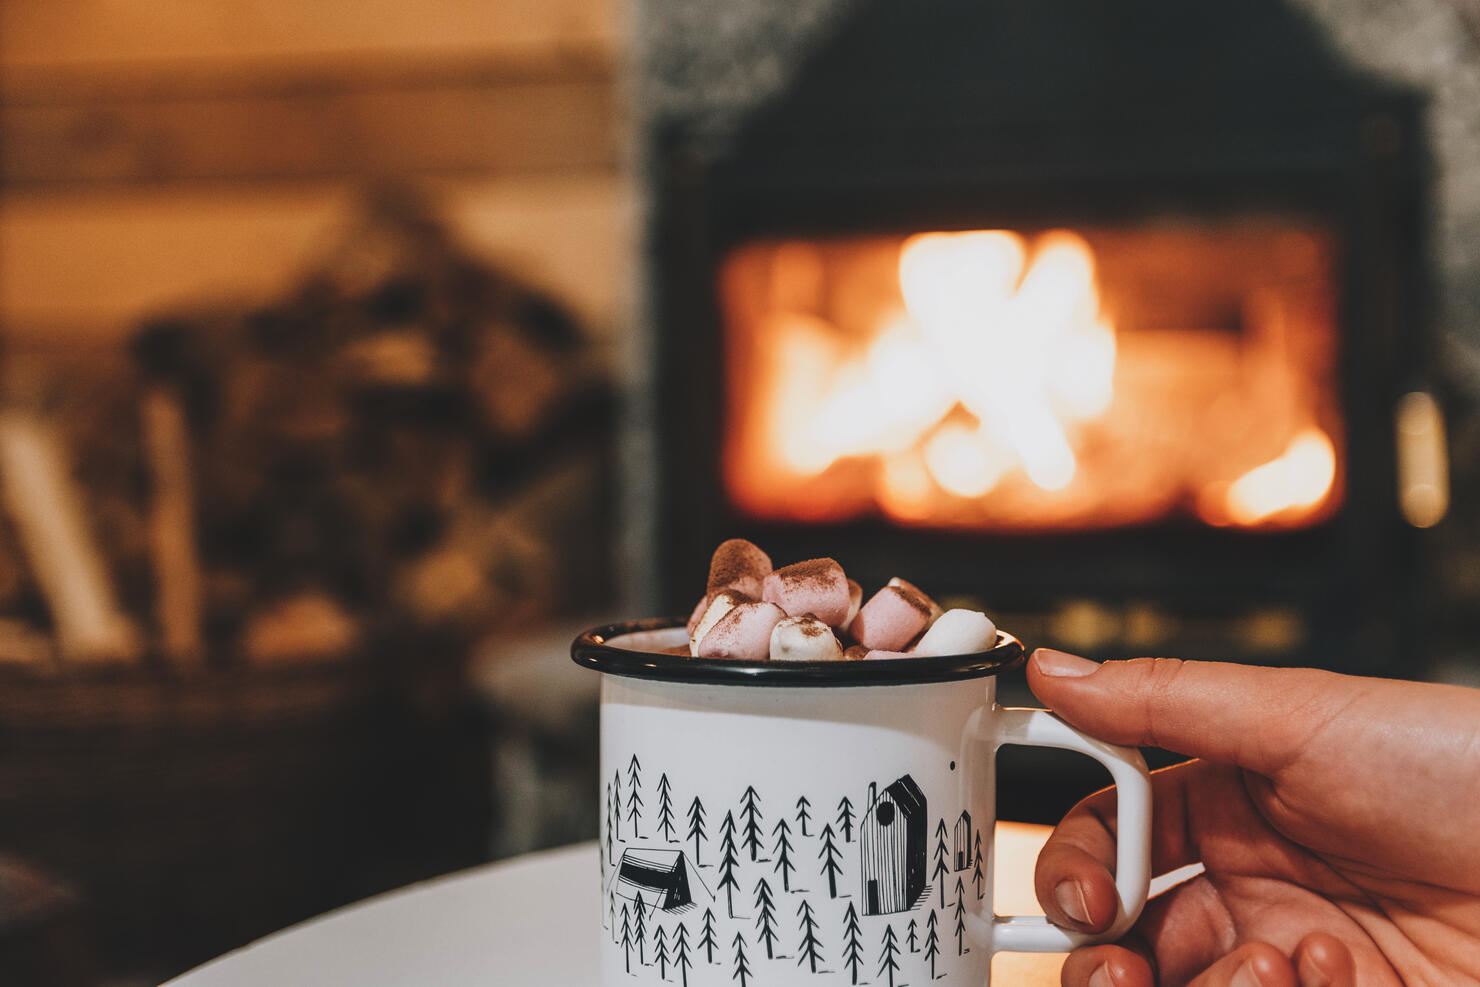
<point>810,824</point>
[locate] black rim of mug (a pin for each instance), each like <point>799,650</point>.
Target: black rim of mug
<point>593,650</point>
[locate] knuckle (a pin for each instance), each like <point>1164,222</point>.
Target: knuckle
<point>1157,682</point>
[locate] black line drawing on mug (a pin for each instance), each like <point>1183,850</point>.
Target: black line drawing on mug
<point>696,828</point>
<point>665,809</point>
<point>960,920</point>
<point>976,874</point>
<point>852,944</point>
<point>728,861</point>
<point>910,937</point>
<point>963,841</point>
<point>932,943</point>
<point>784,866</point>
<point>742,966</point>
<point>831,858</point>
<point>626,937</point>
<point>616,790</point>
<point>751,813</point>
<point>641,924</point>
<point>891,842</point>
<point>803,816</point>
<point>888,954</point>
<point>660,879</point>
<point>660,952</point>
<point>681,952</point>
<point>634,795</point>
<point>707,940</point>
<point>765,922</point>
<point>811,948</point>
<point>845,819</point>
<point>941,869</point>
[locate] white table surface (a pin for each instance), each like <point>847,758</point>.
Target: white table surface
<point>498,925</point>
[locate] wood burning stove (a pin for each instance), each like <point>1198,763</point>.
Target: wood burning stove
<point>1095,316</point>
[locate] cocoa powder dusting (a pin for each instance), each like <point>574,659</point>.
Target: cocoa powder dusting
<point>734,560</point>
<point>818,572</point>
<point>917,601</point>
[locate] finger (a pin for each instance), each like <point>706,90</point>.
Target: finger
<point>1235,714</point>
<point>1074,876</point>
<point>1106,966</point>
<point>1322,960</point>
<point>1254,965</point>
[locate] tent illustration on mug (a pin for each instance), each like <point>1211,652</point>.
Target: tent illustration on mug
<point>663,879</point>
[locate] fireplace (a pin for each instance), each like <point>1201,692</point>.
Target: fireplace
<point>1097,318</point>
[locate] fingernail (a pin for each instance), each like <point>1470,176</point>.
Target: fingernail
<point>1061,664</point>
<point>1070,896</point>
<point>1101,977</point>
<point>1311,975</point>
<point>1245,976</point>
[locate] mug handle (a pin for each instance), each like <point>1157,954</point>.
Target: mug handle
<point>998,726</point>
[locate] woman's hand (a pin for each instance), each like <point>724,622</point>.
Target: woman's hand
<point>1337,820</point>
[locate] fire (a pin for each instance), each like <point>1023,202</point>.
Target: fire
<point>1297,480</point>
<point>988,385</point>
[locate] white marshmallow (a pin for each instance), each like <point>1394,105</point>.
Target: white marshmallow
<point>957,632</point>
<point>804,639</point>
<point>722,604</point>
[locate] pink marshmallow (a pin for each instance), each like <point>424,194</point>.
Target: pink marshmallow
<point>817,586</point>
<point>744,633</point>
<point>738,565</point>
<point>891,619</point>
<point>855,598</point>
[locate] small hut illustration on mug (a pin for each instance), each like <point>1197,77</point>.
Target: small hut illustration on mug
<point>891,838</point>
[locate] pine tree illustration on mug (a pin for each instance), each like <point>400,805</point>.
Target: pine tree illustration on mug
<point>641,929</point>
<point>611,858</point>
<point>910,937</point>
<point>976,875</point>
<point>742,965</point>
<point>707,940</point>
<point>660,952</point>
<point>845,819</point>
<point>811,949</point>
<point>932,942</point>
<point>942,869</point>
<point>888,955</point>
<point>960,919</point>
<point>617,801</point>
<point>681,952</point>
<point>831,858</point>
<point>696,827</point>
<point>727,863</point>
<point>803,816</point>
<point>627,937</point>
<point>665,809</point>
<point>852,944</point>
<point>750,812</point>
<point>634,795</point>
<point>783,854</point>
<point>765,921</point>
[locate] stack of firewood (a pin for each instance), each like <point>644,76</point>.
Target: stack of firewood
<point>407,437</point>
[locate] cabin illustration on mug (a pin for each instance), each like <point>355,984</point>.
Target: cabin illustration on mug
<point>891,838</point>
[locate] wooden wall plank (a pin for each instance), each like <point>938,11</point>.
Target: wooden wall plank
<point>133,129</point>
<point>87,266</point>
<point>53,32</point>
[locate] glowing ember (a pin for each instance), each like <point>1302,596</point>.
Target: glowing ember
<point>982,382</point>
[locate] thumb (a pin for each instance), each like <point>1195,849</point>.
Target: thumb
<point>1255,718</point>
